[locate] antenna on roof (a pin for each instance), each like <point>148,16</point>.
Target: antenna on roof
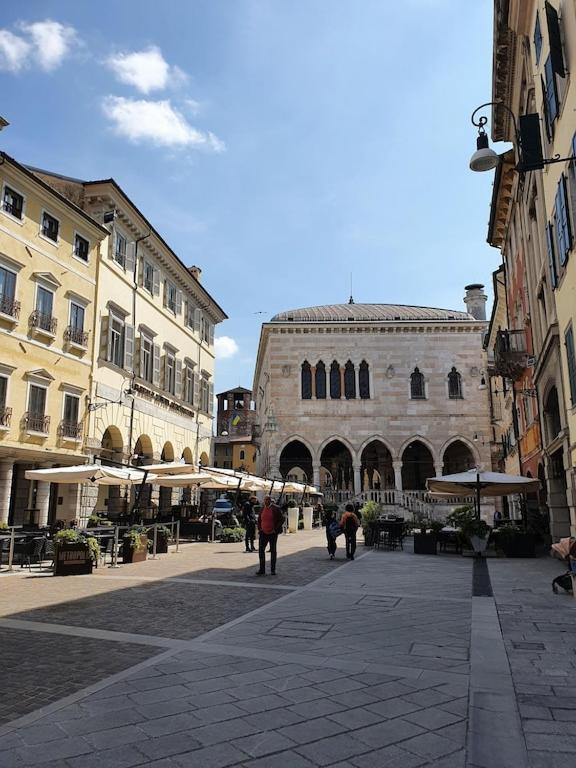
<point>351,299</point>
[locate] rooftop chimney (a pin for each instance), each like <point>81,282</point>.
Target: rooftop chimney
<point>195,272</point>
<point>475,301</point>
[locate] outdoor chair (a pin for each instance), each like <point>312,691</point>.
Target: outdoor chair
<point>49,551</point>
<point>107,550</point>
<point>24,552</point>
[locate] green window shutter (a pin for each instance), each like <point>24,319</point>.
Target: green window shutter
<point>128,347</point>
<point>156,365</point>
<point>551,255</point>
<point>569,341</point>
<point>178,386</point>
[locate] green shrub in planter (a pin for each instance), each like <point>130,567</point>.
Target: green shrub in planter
<point>232,535</point>
<point>75,552</point>
<point>369,513</point>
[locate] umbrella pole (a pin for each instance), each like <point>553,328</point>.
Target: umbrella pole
<point>478,495</point>
<point>139,490</point>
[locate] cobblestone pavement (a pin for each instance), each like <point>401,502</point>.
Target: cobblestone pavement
<point>387,661</point>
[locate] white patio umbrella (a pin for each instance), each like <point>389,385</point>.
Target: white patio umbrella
<point>96,474</point>
<point>482,484</point>
<point>202,479</point>
<point>170,468</point>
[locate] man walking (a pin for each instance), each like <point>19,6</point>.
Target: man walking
<point>270,522</point>
<point>249,521</point>
<point>350,524</point>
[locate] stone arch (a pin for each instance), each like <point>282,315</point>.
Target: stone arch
<point>380,439</point>
<point>473,447</point>
<point>204,459</point>
<point>187,455</point>
<point>551,412</point>
<point>112,444</point>
<point>300,439</point>
<point>167,452</point>
<point>420,439</point>
<point>296,454</point>
<point>345,442</point>
<point>457,457</point>
<point>376,468</point>
<point>111,453</point>
<point>337,457</point>
<point>417,465</point>
<point>144,450</point>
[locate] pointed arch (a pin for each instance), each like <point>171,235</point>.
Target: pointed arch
<point>349,381</point>
<point>320,380</point>
<point>454,384</point>
<point>306,381</point>
<point>468,443</point>
<point>364,380</point>
<point>335,381</point>
<point>417,385</point>
<point>339,439</point>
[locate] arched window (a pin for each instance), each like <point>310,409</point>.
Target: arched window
<point>320,381</point>
<point>306,381</point>
<point>417,391</point>
<point>335,386</point>
<point>349,381</point>
<point>454,384</point>
<point>364,380</point>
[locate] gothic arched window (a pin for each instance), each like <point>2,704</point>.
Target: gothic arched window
<point>364,380</point>
<point>306,381</point>
<point>417,390</point>
<point>335,386</point>
<point>320,381</point>
<point>454,384</point>
<point>349,381</point>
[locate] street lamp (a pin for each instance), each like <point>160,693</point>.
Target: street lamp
<point>526,136</point>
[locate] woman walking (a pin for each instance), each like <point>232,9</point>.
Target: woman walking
<point>350,524</point>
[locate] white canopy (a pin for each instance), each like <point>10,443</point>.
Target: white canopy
<point>202,479</point>
<point>291,487</point>
<point>482,483</point>
<point>170,468</point>
<point>90,473</point>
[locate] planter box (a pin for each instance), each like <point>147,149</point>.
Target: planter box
<point>307,516</point>
<point>72,559</point>
<point>161,543</point>
<point>130,555</point>
<point>293,515</point>
<point>517,544</point>
<point>425,544</point>
<point>368,535</point>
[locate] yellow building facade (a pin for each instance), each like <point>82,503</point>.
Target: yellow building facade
<point>49,252</point>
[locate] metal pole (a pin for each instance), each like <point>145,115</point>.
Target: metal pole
<point>177,534</point>
<point>478,495</point>
<point>154,541</point>
<point>114,563</point>
<point>11,553</point>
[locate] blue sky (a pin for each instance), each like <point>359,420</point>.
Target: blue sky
<point>279,144</point>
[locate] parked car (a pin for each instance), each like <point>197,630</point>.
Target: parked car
<point>223,510</point>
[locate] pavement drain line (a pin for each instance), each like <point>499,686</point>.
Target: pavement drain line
<point>495,738</point>
<point>197,644</point>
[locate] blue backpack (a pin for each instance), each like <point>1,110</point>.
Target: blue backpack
<point>334,529</point>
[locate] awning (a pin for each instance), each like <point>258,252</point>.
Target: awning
<point>482,483</point>
<point>96,474</point>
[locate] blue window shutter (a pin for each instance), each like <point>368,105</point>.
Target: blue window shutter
<point>551,95</point>
<point>555,40</point>
<point>537,38</point>
<point>551,255</point>
<point>569,340</point>
<point>547,121</point>
<point>566,215</point>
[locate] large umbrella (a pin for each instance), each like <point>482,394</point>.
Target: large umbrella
<point>96,474</point>
<point>169,468</point>
<point>482,484</point>
<point>203,479</point>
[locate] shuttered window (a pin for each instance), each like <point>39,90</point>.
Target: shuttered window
<point>550,95</point>
<point>306,376</point>
<point>571,359</point>
<point>320,381</point>
<point>563,227</point>
<point>537,39</point>
<point>551,255</point>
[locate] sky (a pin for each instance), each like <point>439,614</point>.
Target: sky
<point>290,148</point>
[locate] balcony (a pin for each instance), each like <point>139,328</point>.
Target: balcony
<point>9,308</point>
<point>5,417</point>
<point>76,337</point>
<point>36,423</point>
<point>43,324</point>
<point>70,430</point>
<point>510,354</point>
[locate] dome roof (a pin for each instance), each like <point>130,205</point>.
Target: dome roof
<point>344,313</point>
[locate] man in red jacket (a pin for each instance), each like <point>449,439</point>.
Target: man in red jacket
<point>270,522</point>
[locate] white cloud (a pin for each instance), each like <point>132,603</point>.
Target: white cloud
<point>146,70</point>
<point>225,346</point>
<point>14,51</point>
<point>52,42</point>
<point>159,122</point>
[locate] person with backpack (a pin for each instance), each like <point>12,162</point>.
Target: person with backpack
<point>270,522</point>
<point>350,524</point>
<point>332,530</point>
<point>249,521</point>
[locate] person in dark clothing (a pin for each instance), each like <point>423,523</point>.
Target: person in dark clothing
<point>270,522</point>
<point>249,522</point>
<point>350,524</point>
<point>329,519</point>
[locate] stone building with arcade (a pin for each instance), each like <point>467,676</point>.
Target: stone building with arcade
<point>373,397</point>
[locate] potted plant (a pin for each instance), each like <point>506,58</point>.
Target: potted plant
<point>134,545</point>
<point>293,515</point>
<point>426,540</point>
<point>232,535</point>
<point>162,537</point>
<point>75,553</point>
<point>369,514</point>
<point>307,517</point>
<point>514,541</point>
<point>477,533</point>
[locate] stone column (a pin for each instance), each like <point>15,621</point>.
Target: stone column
<point>438,467</point>
<point>42,502</point>
<point>6,469</point>
<point>316,474</point>
<point>357,478</point>
<point>397,474</point>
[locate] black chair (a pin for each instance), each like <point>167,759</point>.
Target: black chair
<point>24,552</point>
<point>49,552</point>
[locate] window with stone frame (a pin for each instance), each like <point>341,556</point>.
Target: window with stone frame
<point>417,385</point>
<point>189,384</point>
<point>306,380</point>
<point>454,385</point>
<point>320,377</point>
<point>335,381</point>
<point>364,380</point>
<point>349,381</point>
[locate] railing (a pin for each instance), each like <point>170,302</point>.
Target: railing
<point>75,335</point>
<point>43,321</point>
<point>35,422</point>
<point>5,416</point>
<point>420,504</point>
<point>510,353</point>
<point>70,429</point>
<point>9,306</point>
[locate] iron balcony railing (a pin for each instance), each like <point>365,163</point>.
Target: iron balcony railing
<point>9,306</point>
<point>70,429</point>
<point>37,422</point>
<point>43,321</point>
<point>75,335</point>
<point>5,416</point>
<point>510,353</point>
